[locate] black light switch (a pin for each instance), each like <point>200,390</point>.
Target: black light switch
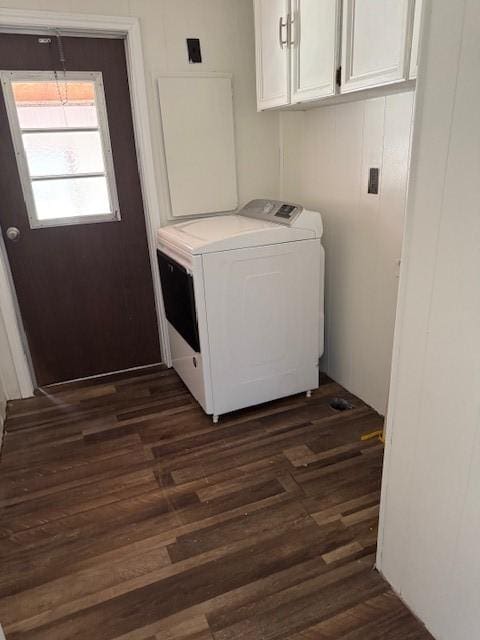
<point>194,52</point>
<point>373,180</point>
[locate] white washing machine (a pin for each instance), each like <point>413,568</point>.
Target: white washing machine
<point>243,297</point>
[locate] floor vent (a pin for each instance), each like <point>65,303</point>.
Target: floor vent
<point>339,404</point>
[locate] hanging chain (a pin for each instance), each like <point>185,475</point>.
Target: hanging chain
<point>63,99</point>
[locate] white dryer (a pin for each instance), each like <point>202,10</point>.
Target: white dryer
<point>243,297</point>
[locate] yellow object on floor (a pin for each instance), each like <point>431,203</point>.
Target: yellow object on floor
<point>373,434</point>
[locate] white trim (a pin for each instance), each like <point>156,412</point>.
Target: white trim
<point>98,376</point>
<point>417,117</point>
<point>14,330</point>
<point>13,20</point>
<point>33,21</point>
<point>148,177</point>
<point>16,131</point>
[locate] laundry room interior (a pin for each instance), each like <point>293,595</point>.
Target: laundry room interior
<point>238,319</point>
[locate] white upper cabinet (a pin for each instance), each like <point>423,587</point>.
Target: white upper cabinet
<point>301,44</point>
<point>314,41</point>
<point>375,38</point>
<point>417,20</point>
<point>272,53</point>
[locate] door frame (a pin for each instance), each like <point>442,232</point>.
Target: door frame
<point>154,189</point>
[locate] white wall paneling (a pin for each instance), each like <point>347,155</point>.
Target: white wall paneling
<point>199,139</point>
<point>327,153</point>
<point>430,518</point>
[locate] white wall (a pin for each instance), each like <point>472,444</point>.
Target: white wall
<point>226,32</point>
<point>430,525</point>
<point>326,156</point>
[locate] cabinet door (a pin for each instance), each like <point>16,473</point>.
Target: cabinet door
<point>272,53</point>
<point>314,46</point>
<point>374,43</point>
<point>417,20</point>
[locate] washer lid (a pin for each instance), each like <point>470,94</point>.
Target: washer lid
<point>223,233</point>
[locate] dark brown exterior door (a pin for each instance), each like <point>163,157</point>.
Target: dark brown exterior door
<point>85,290</point>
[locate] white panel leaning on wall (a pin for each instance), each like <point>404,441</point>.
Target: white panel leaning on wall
<point>199,139</point>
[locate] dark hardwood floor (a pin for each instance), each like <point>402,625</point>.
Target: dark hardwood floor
<point>126,514</point>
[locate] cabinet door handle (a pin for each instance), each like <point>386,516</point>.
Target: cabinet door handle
<point>281,26</point>
<point>292,29</point>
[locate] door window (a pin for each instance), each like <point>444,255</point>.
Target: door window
<point>60,132</point>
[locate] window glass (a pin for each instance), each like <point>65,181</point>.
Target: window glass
<point>49,105</point>
<point>60,153</point>
<point>61,131</point>
<point>72,197</point>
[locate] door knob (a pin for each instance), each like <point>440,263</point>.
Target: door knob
<point>13,233</point>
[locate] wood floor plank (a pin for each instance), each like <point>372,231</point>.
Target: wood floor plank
<point>157,600</point>
<point>309,602</point>
<point>74,500</point>
<point>276,518</point>
<point>356,617</point>
<point>29,569</point>
<point>125,514</point>
<point>272,582</point>
<point>75,585</point>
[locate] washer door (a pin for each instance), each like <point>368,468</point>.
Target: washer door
<point>179,299</point>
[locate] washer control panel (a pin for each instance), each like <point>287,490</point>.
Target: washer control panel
<point>272,210</point>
